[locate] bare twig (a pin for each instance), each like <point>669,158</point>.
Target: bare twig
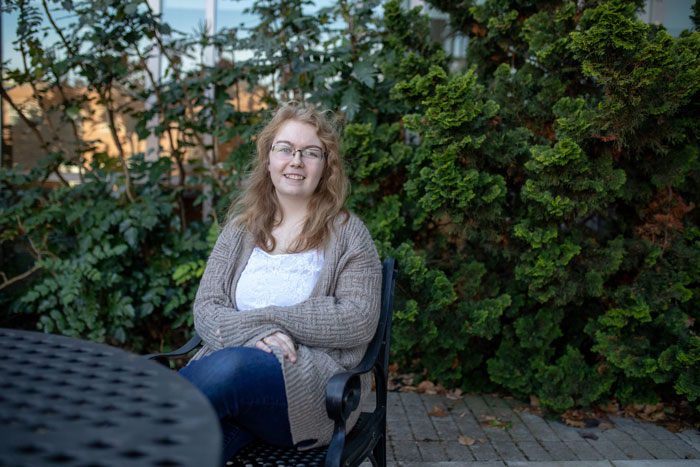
<point>176,152</point>
<point>32,126</point>
<point>35,252</point>
<point>118,144</point>
<point>7,282</point>
<point>76,134</point>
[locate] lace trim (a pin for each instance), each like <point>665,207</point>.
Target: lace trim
<point>281,280</point>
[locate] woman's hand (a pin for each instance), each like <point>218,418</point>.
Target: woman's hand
<point>282,342</point>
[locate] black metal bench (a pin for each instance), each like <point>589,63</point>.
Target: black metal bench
<point>367,440</point>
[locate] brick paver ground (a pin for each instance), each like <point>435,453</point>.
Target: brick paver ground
<point>418,436</point>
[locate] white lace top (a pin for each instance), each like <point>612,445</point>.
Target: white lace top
<point>281,280</point>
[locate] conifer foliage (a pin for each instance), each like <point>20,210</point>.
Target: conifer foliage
<point>552,238</point>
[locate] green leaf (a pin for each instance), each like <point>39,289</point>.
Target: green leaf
<point>350,103</point>
<point>365,73</point>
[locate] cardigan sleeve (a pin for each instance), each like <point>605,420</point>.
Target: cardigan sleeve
<point>213,306</point>
<point>346,319</point>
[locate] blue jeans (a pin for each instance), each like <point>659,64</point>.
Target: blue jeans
<point>246,387</point>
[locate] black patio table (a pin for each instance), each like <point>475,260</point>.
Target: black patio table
<point>70,402</point>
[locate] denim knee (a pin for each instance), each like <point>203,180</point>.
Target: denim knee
<point>232,376</point>
<point>217,369</point>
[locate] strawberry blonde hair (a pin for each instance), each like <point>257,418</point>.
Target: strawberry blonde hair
<point>258,209</point>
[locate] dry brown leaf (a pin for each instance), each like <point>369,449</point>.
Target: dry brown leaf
<point>675,426</point>
<point>606,426</point>
<point>408,389</point>
<point>466,440</point>
<point>462,415</point>
<point>454,395</point>
<point>575,423</point>
<point>426,387</point>
<point>438,412</point>
<point>534,401</point>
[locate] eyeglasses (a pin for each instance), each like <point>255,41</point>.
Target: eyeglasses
<point>285,151</point>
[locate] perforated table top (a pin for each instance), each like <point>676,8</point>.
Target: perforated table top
<point>70,402</point>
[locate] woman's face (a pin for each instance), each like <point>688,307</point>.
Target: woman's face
<point>295,177</point>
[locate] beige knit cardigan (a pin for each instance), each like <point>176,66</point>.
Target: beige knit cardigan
<point>331,328</point>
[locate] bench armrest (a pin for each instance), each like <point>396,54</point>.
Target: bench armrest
<point>343,389</point>
<point>163,358</point>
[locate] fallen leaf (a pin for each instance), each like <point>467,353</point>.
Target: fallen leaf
<point>455,394</point>
<point>438,412</point>
<point>606,426</point>
<point>426,387</point>
<point>589,436</point>
<point>675,426</point>
<point>575,423</point>
<point>462,415</point>
<point>534,401</point>
<point>466,440</point>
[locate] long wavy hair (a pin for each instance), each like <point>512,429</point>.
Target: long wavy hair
<point>258,209</point>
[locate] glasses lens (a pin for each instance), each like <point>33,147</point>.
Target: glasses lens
<point>282,149</point>
<point>312,153</point>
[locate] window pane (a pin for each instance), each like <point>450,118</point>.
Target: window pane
<point>188,21</point>
<point>677,16</point>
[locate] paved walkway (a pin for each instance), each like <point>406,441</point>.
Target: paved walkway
<point>418,439</point>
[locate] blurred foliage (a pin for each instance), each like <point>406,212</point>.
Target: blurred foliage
<point>540,202</point>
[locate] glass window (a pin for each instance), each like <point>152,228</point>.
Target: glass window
<point>188,21</point>
<point>677,16</point>
<point>673,14</point>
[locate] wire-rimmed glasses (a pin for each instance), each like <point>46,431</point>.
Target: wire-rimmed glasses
<point>308,154</point>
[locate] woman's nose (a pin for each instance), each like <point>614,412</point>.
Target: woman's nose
<point>296,158</point>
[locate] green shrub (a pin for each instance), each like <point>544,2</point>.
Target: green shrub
<point>547,210</point>
<point>105,265</point>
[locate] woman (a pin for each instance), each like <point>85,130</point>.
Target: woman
<point>291,292</point>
